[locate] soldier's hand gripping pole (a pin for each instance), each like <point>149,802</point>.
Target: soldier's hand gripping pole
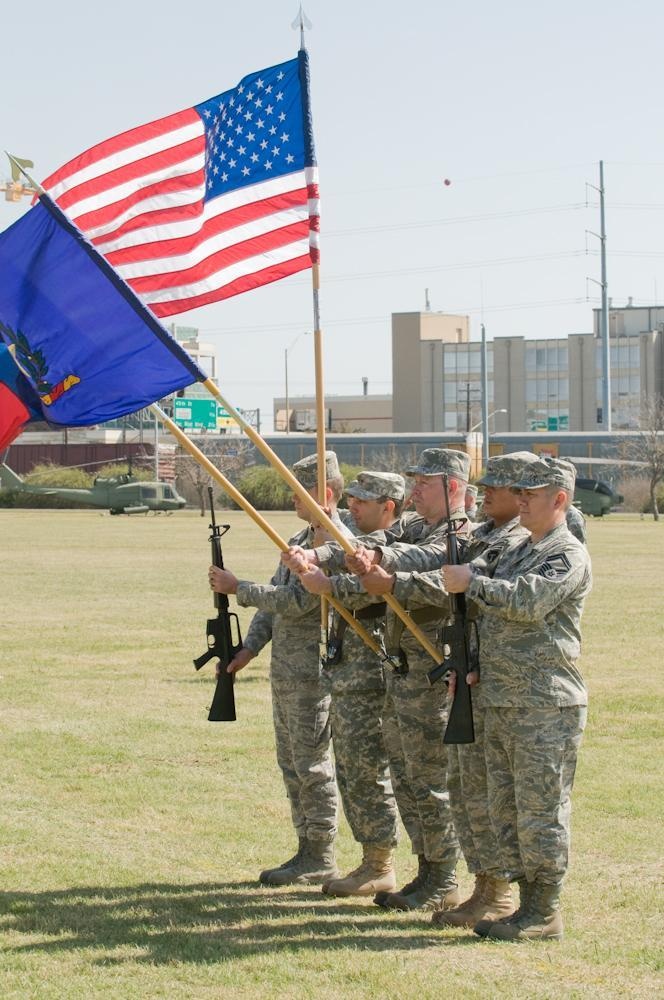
<point>222,643</point>
<point>315,511</point>
<point>460,728</point>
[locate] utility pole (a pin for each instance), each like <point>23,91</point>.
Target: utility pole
<point>604,326</point>
<point>485,399</point>
<point>604,312</point>
<point>286,387</point>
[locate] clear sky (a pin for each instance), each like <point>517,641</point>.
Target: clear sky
<point>514,103</point>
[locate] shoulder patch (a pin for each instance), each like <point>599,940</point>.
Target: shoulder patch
<point>556,567</point>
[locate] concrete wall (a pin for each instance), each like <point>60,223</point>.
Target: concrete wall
<point>417,366</point>
<point>370,414</point>
<point>509,383</point>
<point>582,375</point>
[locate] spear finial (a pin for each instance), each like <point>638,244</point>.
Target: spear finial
<point>18,167</point>
<point>302,22</point>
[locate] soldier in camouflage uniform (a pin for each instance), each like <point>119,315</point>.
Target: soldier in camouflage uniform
<point>357,686</point>
<point>416,714</point>
<point>290,617</point>
<point>532,693</point>
<point>471,502</point>
<point>466,766</point>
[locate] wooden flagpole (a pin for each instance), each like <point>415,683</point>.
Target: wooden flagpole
<point>320,434</point>
<point>314,213</point>
<point>258,518</point>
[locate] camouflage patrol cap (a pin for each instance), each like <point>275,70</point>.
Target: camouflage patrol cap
<point>377,485</point>
<point>472,490</point>
<point>504,470</point>
<point>306,470</point>
<point>441,462</point>
<point>547,471</point>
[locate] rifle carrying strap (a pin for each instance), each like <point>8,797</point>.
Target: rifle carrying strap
<point>421,616</point>
<point>368,614</point>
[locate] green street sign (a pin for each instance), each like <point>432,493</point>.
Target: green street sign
<point>195,414</point>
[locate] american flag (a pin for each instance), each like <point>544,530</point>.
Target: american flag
<point>206,203</point>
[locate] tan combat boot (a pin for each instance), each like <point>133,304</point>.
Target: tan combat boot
<point>314,863</point>
<point>483,926</point>
<point>267,875</point>
<point>438,891</point>
<point>415,883</point>
<point>491,900</point>
<point>375,874</point>
<point>541,920</point>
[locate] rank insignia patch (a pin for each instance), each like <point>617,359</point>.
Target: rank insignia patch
<point>555,567</point>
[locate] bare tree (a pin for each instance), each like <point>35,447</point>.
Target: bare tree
<point>647,447</point>
<point>230,456</point>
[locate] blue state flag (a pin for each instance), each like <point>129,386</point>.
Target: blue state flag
<point>88,346</point>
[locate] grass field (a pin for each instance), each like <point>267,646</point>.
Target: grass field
<point>132,830</point>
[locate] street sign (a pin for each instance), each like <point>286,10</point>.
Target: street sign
<point>195,414</point>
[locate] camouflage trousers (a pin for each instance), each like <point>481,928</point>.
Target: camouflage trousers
<point>302,733</point>
<point>531,759</point>
<point>467,785</point>
<point>414,720</point>
<point>362,767</point>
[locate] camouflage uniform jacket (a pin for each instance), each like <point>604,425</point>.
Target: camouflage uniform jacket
<point>530,610</point>
<point>425,589</point>
<point>422,547</point>
<point>332,557</point>
<point>288,616</point>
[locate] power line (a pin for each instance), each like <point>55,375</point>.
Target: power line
<point>466,265</point>
<point>259,330</point>
<point>456,220</point>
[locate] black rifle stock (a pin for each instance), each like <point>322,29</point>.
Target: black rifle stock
<point>460,728</point>
<point>220,635</point>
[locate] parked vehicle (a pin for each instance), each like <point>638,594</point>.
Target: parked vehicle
<point>595,497</point>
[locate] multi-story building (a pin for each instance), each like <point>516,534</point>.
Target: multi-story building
<point>533,385</point>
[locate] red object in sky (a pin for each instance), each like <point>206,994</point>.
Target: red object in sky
<point>447,182</point>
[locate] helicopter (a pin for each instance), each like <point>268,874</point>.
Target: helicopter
<point>122,494</point>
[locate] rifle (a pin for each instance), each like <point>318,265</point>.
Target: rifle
<point>220,635</point>
<point>460,727</point>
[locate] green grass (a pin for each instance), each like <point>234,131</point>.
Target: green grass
<point>132,830</point>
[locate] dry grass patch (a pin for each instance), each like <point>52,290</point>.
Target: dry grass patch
<point>132,830</point>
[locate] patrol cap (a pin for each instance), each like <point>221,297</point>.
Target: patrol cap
<point>472,490</point>
<point>504,470</point>
<point>377,485</point>
<point>547,471</point>
<point>441,462</point>
<point>306,470</point>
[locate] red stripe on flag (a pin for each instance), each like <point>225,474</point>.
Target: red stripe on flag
<point>221,259</point>
<point>245,284</point>
<point>106,215</point>
<point>147,220</point>
<point>211,227</point>
<point>118,143</point>
<point>133,171</point>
